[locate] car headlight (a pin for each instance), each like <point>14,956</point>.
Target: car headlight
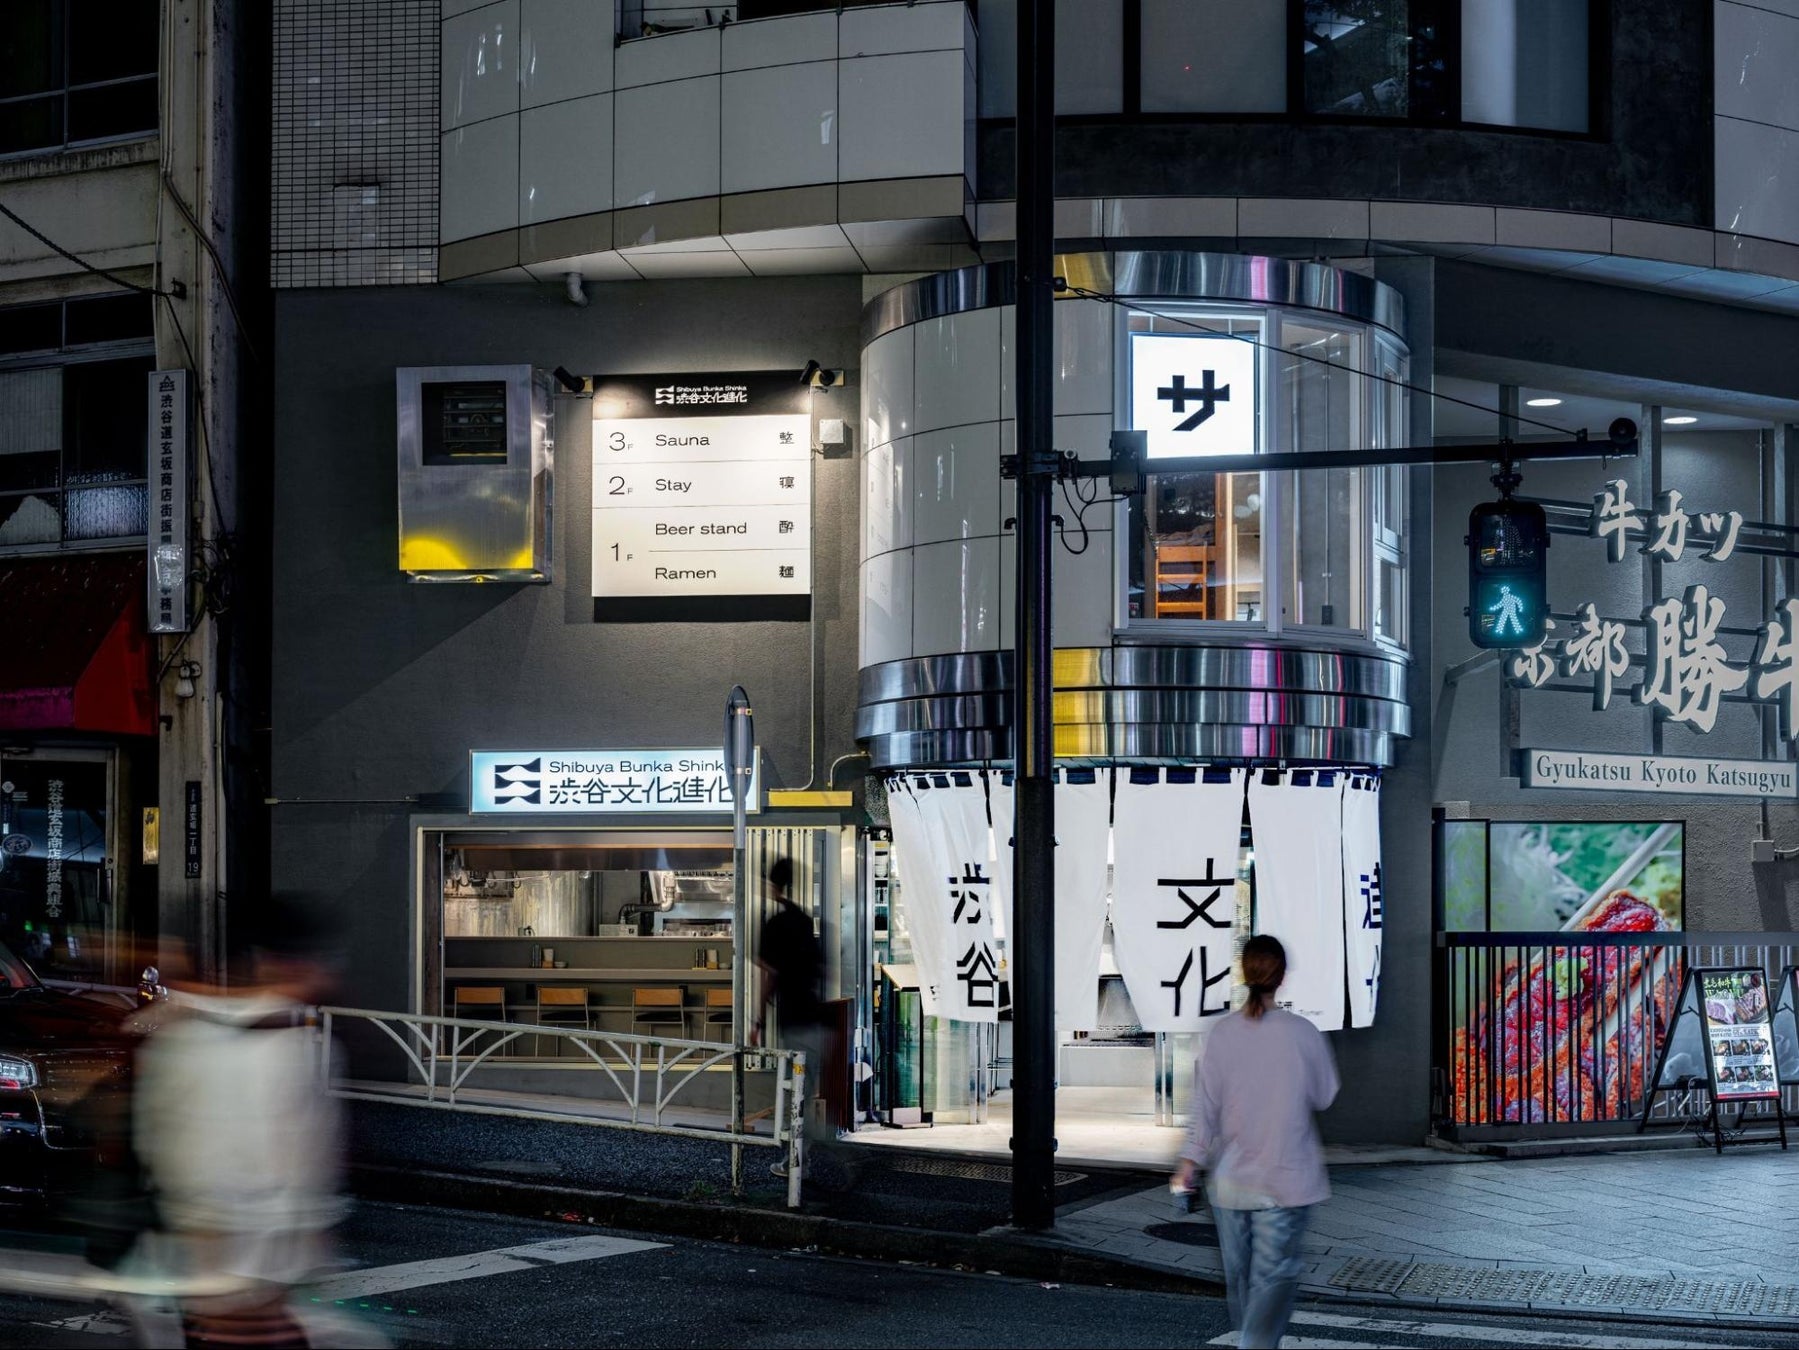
<point>16,1074</point>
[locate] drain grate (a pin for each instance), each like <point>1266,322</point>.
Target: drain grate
<point>969,1171</point>
<point>1571,1288</point>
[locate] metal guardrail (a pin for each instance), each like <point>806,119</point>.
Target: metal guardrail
<point>648,1072</point>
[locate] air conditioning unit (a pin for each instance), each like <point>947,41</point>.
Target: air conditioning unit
<point>477,450</point>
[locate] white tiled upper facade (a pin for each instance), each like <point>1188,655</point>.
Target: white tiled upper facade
<point>543,118</point>
<point>1756,117</point>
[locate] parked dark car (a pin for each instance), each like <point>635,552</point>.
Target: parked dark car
<point>62,1052</point>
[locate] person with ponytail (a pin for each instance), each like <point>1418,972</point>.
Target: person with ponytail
<point>1262,1073</point>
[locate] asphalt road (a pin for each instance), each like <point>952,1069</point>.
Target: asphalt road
<point>426,1276</point>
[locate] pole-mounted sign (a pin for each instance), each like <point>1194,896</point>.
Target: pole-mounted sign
<point>740,769</point>
<point>740,757</point>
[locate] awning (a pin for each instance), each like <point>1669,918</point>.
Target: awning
<point>74,653</point>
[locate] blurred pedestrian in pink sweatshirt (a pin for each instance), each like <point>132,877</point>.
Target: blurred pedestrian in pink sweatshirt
<point>1262,1074</point>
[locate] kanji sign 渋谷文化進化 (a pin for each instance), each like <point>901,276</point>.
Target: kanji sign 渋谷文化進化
<point>590,781</point>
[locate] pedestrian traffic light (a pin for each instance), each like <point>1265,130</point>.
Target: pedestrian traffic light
<point>1508,599</point>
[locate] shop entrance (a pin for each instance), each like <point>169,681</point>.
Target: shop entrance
<point>58,862</point>
<point>1122,1092</point>
<point>623,930</point>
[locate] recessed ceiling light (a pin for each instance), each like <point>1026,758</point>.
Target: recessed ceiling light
<point>1679,421</point>
<point>1542,403</point>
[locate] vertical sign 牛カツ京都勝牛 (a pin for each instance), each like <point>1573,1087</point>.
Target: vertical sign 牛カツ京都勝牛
<point>702,496</point>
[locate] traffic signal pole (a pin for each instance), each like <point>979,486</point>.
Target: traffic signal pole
<point>1033,853</point>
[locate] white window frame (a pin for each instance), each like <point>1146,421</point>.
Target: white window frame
<point>1380,353</point>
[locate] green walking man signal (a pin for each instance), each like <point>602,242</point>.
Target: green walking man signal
<point>1508,598</point>
<point>1508,607</point>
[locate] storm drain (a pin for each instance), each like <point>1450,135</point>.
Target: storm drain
<point>1648,1293</point>
<point>969,1171</point>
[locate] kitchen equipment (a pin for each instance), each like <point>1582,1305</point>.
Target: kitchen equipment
<point>555,904</point>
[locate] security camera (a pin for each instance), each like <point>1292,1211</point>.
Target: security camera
<point>820,378</point>
<point>573,384</point>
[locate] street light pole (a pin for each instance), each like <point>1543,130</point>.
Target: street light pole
<point>740,775</point>
<point>1033,854</point>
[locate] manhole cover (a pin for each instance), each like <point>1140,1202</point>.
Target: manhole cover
<point>969,1171</point>
<point>1194,1233</point>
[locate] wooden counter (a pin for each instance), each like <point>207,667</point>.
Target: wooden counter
<point>585,974</point>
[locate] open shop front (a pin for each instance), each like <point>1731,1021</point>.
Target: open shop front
<point>1230,666</point>
<point>626,928</point>
<point>1159,881</point>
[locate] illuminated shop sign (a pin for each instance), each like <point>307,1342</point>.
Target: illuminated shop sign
<point>1660,773</point>
<point>1687,672</point>
<point>588,782</point>
<point>1195,394</point>
<point>702,496</point>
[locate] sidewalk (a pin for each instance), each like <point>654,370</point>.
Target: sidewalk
<point>1675,1235</point>
<point>1680,1235</point>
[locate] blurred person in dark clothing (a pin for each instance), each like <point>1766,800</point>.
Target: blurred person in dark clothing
<point>792,963</point>
<point>790,959</point>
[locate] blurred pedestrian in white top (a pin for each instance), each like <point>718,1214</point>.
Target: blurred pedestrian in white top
<point>1262,1074</point>
<point>241,1140</point>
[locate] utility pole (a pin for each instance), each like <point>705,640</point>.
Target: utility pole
<point>1033,854</point>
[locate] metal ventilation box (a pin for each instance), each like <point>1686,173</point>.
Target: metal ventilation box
<point>477,450</point>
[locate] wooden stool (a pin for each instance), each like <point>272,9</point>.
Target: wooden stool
<point>658,1006</point>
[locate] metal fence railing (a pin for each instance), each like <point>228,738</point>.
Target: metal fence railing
<point>1545,1034</point>
<point>647,1073</point>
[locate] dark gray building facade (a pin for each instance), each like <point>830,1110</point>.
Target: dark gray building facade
<point>1423,229</point>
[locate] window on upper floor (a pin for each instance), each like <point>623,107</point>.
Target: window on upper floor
<point>1507,63</point>
<point>1475,63</point>
<point>75,71</point>
<point>73,422</point>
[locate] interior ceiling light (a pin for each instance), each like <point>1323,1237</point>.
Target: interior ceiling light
<point>1542,403</point>
<point>1679,421</point>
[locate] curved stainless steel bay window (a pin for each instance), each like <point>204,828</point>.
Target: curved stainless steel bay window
<point>1256,615</point>
<point>1277,553</point>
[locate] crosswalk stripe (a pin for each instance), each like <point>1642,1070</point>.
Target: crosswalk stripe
<point>1438,1331</point>
<point>377,1280</point>
<point>101,1323</point>
<point>476,1265</point>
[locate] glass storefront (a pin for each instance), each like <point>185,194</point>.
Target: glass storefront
<point>623,930</point>
<point>58,862</point>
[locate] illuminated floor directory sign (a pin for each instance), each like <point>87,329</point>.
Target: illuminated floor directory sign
<point>702,496</point>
